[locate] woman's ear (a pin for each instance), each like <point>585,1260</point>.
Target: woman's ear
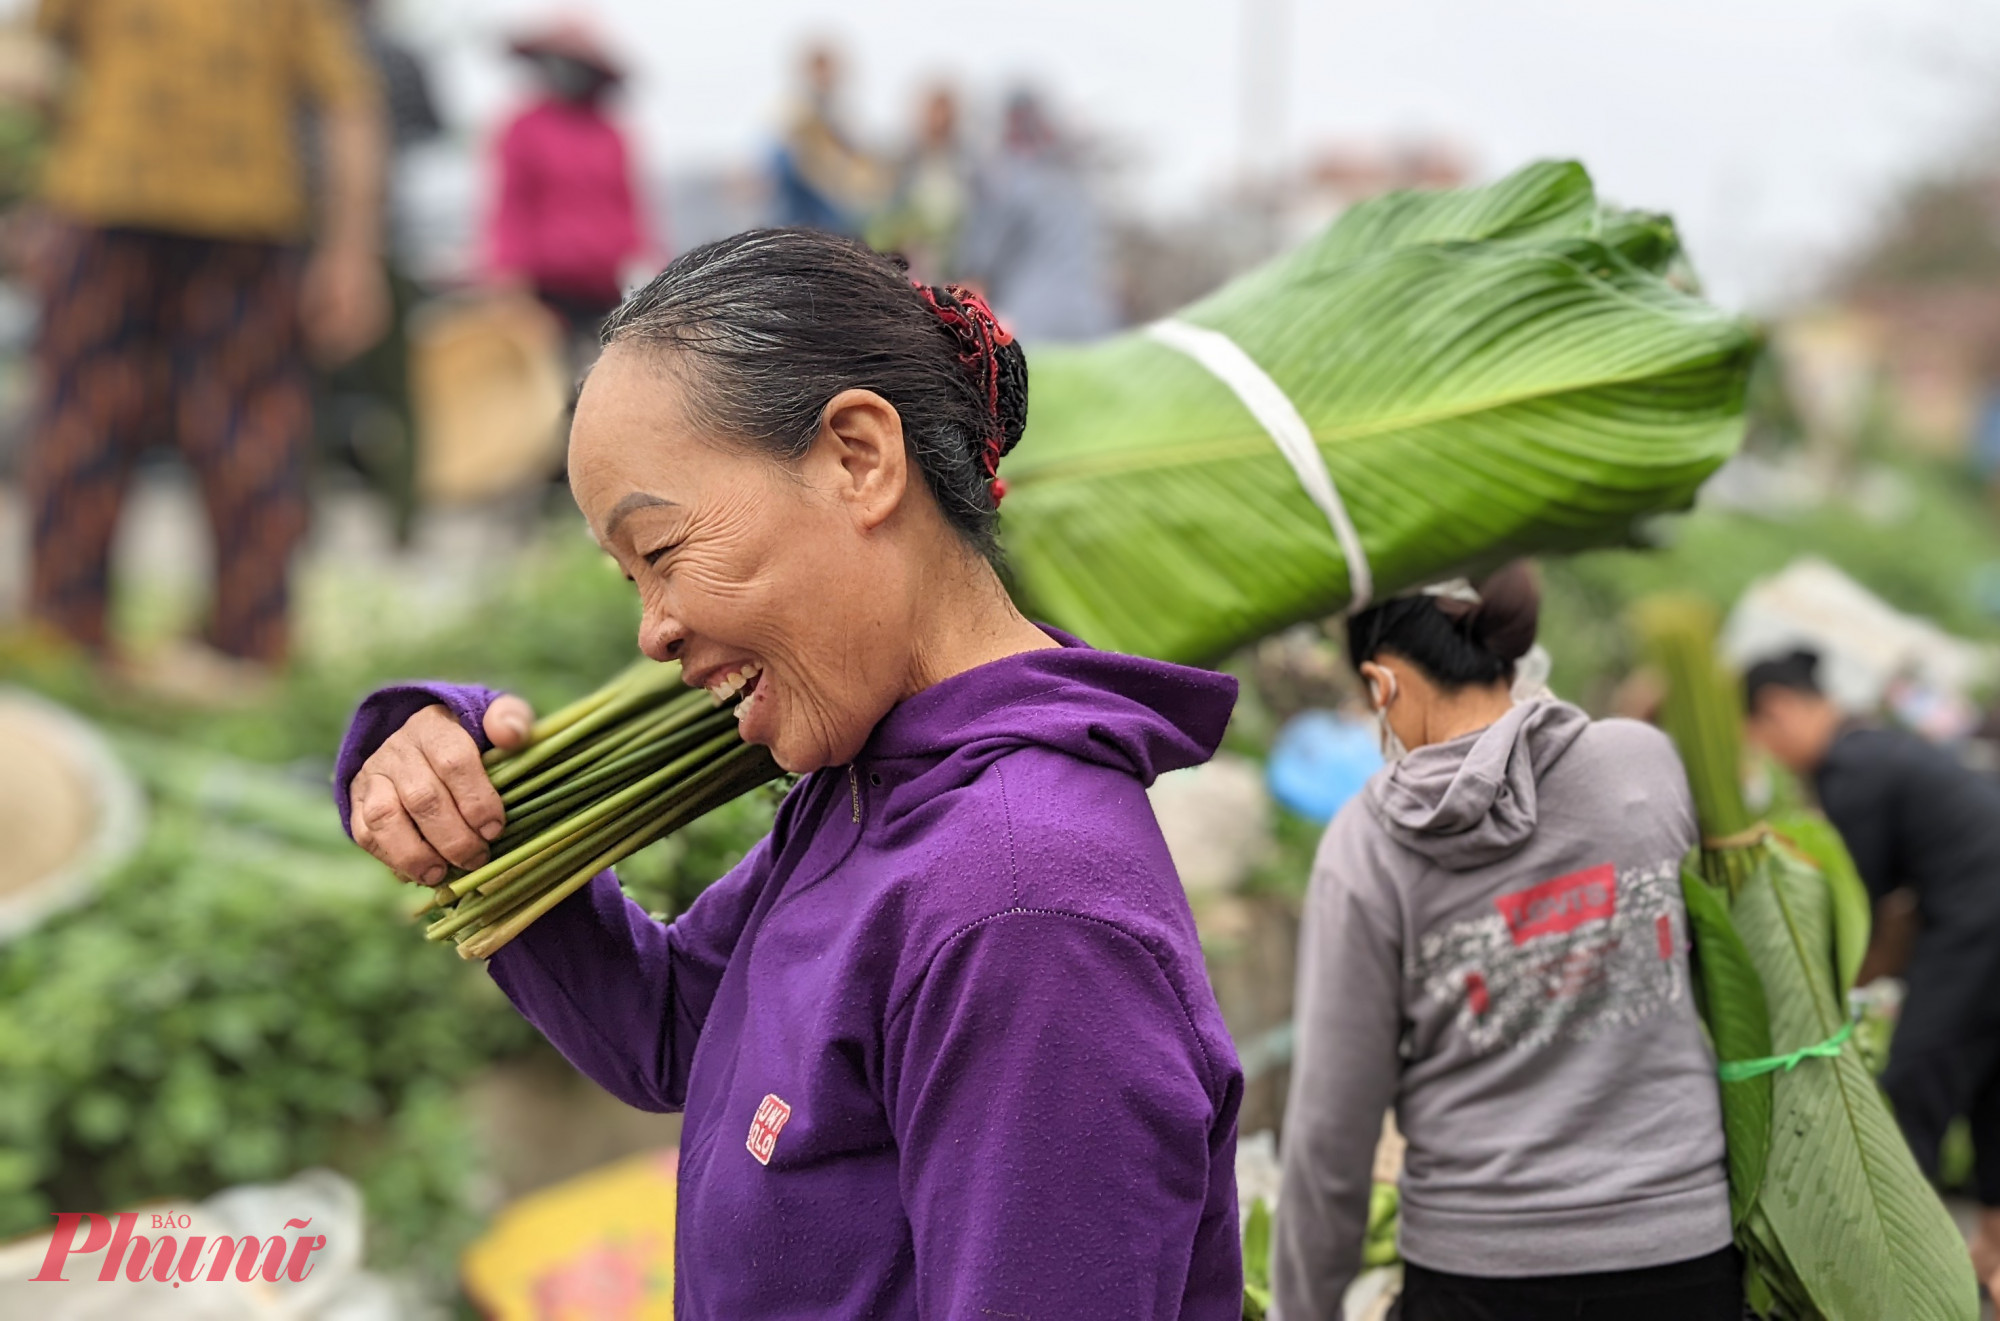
<point>1381,683</point>
<point>859,454</point>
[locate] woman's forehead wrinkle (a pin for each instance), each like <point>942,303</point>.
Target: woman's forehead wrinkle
<point>631,504</point>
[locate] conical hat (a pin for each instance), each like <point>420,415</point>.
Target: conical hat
<point>69,811</point>
<point>491,389</point>
<point>574,39</point>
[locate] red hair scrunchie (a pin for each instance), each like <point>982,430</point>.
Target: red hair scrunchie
<point>966,314</point>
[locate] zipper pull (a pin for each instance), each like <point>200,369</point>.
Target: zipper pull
<point>854,783</point>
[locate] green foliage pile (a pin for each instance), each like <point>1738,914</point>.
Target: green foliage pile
<point>243,1000</point>
<point>246,998</point>
<point>1832,1214</point>
<point>239,1003</point>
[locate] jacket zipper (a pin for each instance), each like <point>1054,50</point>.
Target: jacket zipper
<point>854,783</point>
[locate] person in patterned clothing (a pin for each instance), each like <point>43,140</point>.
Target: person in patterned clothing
<point>180,300</point>
<point>1494,944</point>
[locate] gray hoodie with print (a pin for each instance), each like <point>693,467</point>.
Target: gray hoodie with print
<point>1495,944</point>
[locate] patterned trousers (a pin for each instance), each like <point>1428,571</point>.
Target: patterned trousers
<point>151,338</point>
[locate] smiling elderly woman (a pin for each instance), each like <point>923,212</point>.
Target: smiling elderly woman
<point>944,1040</point>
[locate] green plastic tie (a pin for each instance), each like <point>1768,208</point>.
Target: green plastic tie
<point>1740,1070</point>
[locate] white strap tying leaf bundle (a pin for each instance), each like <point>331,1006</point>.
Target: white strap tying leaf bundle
<point>1274,411</point>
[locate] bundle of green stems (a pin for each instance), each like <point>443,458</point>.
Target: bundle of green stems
<point>596,782</point>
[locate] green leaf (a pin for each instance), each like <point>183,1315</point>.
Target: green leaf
<point>1257,1262</point>
<point>1814,836</point>
<point>1646,239</point>
<point>1757,1292</point>
<point>1378,1246</point>
<point>1529,389</point>
<point>1700,714</point>
<point>1863,1231</point>
<point>1739,1024</point>
<point>1774,1288</point>
<point>1543,200</point>
<point>1257,1245</point>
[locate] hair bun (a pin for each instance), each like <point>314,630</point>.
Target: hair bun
<point>994,362</point>
<point>1508,613</point>
<point>1012,401</point>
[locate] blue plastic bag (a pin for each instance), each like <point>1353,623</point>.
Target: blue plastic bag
<point>1320,760</point>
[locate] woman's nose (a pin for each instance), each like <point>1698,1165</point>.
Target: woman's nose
<point>661,637</point>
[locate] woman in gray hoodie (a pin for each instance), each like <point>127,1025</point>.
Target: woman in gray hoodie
<point>1495,945</point>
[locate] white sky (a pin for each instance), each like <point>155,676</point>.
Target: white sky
<point>1773,129</point>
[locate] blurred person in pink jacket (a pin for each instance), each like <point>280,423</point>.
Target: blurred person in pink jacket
<point>567,221</point>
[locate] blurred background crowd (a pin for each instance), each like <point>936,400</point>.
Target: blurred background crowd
<point>293,299</point>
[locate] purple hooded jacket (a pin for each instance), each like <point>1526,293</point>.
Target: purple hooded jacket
<point>944,1039</point>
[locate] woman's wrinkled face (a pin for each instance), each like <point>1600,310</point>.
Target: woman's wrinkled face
<point>776,580</point>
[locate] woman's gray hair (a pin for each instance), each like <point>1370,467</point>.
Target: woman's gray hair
<point>766,327</point>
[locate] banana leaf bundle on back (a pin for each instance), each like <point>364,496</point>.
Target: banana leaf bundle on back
<point>1832,1214</point>
<point>1439,380</point>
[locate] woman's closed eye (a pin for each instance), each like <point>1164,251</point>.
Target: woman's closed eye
<point>653,557</point>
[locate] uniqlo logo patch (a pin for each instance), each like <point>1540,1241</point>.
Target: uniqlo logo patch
<point>765,1127</point>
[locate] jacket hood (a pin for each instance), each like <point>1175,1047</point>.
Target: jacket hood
<point>1472,801</point>
<point>1142,717</point>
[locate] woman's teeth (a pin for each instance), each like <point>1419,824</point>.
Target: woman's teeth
<point>728,685</point>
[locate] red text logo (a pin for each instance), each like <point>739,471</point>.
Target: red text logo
<point>765,1127</point>
<point>169,1259</point>
<point>1562,904</point>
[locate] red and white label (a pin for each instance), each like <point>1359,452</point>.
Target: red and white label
<point>765,1127</point>
<point>1566,958</point>
<point>1560,905</point>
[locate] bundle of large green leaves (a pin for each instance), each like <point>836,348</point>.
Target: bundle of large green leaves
<point>1834,1219</point>
<point>1486,373</point>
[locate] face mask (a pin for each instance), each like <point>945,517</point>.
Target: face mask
<point>1531,675</point>
<point>1393,750</point>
